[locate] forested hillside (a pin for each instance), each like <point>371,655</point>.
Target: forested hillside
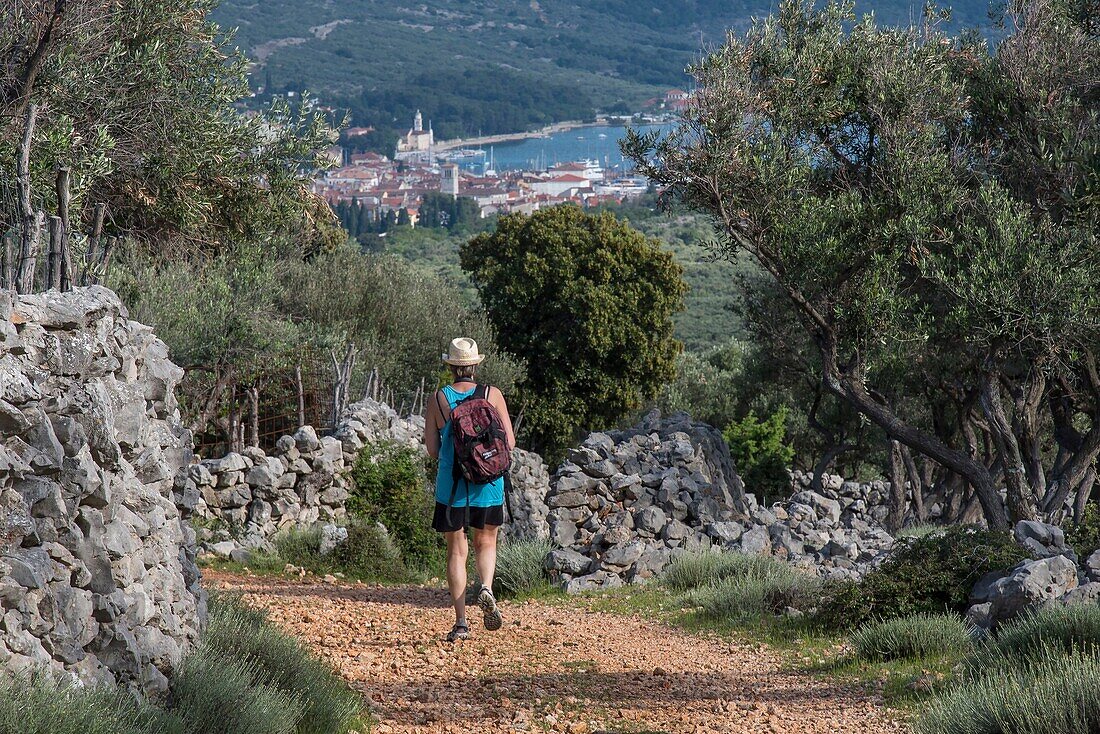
<point>493,65</point>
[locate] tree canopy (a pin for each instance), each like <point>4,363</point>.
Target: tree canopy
<point>588,303</point>
<point>927,207</point>
<point>137,99</point>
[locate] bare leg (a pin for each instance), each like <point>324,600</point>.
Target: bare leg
<point>457,551</point>
<point>485,553</point>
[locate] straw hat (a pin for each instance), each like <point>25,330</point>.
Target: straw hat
<point>462,352</point>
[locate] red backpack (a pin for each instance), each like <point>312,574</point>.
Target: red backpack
<point>481,453</point>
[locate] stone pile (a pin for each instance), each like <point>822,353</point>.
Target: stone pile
<point>98,580</point>
<point>242,500</point>
<point>625,503</point>
<point>1054,575</point>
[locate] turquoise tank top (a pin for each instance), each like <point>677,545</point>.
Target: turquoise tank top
<point>480,495</point>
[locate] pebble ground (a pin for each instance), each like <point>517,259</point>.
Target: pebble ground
<point>556,668</point>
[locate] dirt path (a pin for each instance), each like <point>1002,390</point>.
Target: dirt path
<point>552,667</point>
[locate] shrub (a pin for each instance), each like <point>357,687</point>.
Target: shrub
<point>760,453</point>
<point>1051,694</point>
<point>929,575</point>
<point>521,567</point>
<point>216,694</point>
<point>707,568</point>
<point>919,636</point>
<point>369,553</point>
<point>743,587</point>
<point>1085,535</point>
<point>1063,627</point>
<point>322,703</point>
<point>391,488</point>
<point>38,705</point>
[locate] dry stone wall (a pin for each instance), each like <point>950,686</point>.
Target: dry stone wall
<point>98,580</point>
<point>242,500</point>
<point>626,503</point>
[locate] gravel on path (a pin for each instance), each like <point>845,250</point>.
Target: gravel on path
<point>558,668</point>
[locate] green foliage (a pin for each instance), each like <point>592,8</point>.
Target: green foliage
<point>248,315</point>
<point>760,453</point>
<point>39,705</point>
<point>1085,535</point>
<point>521,567</point>
<point>758,593</point>
<point>140,95</point>
<point>401,317</point>
<point>588,303</point>
<point>1058,627</point>
<point>733,587</point>
<point>368,554</point>
<point>391,487</point>
<point>689,571</point>
<point>1048,694</point>
<point>919,636</point>
<point>708,385</point>
<point>926,575</point>
<point>216,694</point>
<point>275,659</point>
<point>928,216</point>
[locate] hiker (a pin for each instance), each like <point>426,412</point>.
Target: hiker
<point>460,503</point>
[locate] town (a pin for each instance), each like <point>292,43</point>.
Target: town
<point>395,188</point>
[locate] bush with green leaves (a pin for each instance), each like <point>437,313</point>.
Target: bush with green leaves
<point>368,554</point>
<point>758,594</point>
<point>319,701</point>
<point>391,487</point>
<point>733,587</point>
<point>916,637</point>
<point>1050,693</point>
<point>1084,536</point>
<point>521,567</point>
<point>760,452</point>
<point>689,571</point>
<point>39,705</point>
<point>588,303</point>
<point>1058,627</point>
<point>932,574</point>
<point>214,693</point>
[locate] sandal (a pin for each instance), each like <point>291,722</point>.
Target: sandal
<point>488,604</point>
<point>460,631</point>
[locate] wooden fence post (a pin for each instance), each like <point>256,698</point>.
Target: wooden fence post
<point>5,263</point>
<point>91,252</point>
<point>301,395</point>
<point>53,263</point>
<point>65,263</point>
<point>32,222</point>
<point>253,394</point>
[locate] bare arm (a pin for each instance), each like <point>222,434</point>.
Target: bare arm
<point>433,423</point>
<point>496,397</point>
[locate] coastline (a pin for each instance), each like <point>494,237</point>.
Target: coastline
<point>557,127</point>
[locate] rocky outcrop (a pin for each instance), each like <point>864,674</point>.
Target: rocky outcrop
<point>242,500</point>
<point>97,572</point>
<point>1051,576</point>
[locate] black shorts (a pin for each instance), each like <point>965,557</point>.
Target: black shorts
<point>479,517</point>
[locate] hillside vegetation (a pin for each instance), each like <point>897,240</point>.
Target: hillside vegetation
<point>493,65</point>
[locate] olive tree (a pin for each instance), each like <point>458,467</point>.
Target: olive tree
<point>927,205</point>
